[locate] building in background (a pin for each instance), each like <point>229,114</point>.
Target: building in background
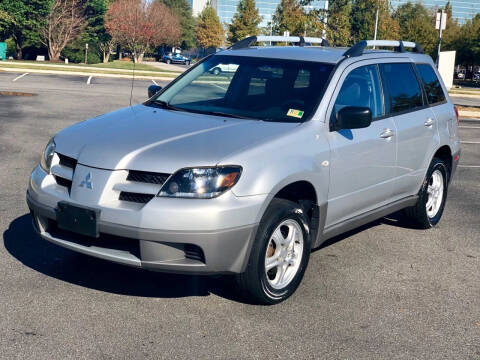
<point>462,10</point>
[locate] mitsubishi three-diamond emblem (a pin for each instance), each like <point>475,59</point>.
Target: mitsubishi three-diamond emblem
<point>87,182</point>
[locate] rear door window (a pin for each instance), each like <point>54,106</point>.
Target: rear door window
<point>403,92</point>
<point>432,86</point>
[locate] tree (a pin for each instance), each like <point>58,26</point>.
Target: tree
<point>339,26</point>
<point>364,17</point>
<point>6,22</point>
<point>63,24</point>
<point>245,21</point>
<point>210,32</point>
<point>417,24</point>
<point>468,45</point>
<point>182,9</point>
<point>28,17</point>
<point>289,16</point>
<point>140,24</point>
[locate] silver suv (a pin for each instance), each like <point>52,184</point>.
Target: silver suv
<point>244,172</point>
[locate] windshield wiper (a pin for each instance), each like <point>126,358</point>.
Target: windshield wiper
<point>164,105</point>
<point>219,113</point>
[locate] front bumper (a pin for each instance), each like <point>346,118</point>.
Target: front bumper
<point>156,237</point>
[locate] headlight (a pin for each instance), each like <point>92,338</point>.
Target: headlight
<point>47,156</point>
<point>201,183</point>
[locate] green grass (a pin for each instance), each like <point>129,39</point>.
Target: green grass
<point>118,65</point>
<point>125,65</point>
<point>88,69</point>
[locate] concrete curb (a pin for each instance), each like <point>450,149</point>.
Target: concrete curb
<point>93,74</point>
<point>86,68</point>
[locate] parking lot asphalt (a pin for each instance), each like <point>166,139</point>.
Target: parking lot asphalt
<point>384,291</point>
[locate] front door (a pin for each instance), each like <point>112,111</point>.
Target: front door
<point>362,161</point>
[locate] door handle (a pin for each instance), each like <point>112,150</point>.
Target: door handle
<point>386,134</point>
<point>428,122</point>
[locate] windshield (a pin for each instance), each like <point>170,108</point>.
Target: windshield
<point>245,87</point>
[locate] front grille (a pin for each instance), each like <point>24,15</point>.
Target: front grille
<point>63,182</point>
<point>147,177</point>
<point>136,197</point>
<point>106,241</point>
<point>67,161</point>
<point>194,252</point>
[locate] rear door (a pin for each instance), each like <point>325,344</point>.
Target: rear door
<point>362,161</point>
<point>415,123</point>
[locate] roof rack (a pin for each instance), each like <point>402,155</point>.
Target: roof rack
<point>399,45</point>
<point>298,40</point>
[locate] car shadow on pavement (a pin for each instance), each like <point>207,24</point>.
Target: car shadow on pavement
<point>397,219</point>
<point>23,243</point>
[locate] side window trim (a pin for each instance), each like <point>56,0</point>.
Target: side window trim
<point>444,101</point>
<point>420,84</point>
<point>382,98</point>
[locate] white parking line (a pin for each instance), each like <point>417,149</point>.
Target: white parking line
<point>89,79</point>
<point>469,142</point>
<point>469,166</point>
<point>154,82</point>
<point>19,77</point>
<point>469,127</point>
<point>221,87</point>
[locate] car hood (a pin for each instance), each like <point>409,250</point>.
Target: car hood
<point>151,139</point>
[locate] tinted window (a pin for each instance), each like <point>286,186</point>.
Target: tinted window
<point>402,86</point>
<point>361,88</point>
<point>239,86</point>
<point>431,84</point>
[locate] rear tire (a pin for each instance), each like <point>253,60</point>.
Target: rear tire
<point>279,255</point>
<point>432,196</point>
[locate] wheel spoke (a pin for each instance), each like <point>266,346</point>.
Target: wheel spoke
<point>430,189</point>
<point>278,238</point>
<point>291,236</point>
<point>272,262</point>
<point>281,270</point>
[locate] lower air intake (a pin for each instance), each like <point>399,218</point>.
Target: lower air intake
<point>135,197</point>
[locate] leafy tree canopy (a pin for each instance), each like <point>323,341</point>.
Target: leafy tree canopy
<point>182,9</point>
<point>245,21</point>
<point>28,17</point>
<point>209,29</point>
<point>289,16</point>
<point>417,24</point>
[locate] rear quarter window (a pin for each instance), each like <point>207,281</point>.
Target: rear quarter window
<point>432,86</point>
<point>403,91</point>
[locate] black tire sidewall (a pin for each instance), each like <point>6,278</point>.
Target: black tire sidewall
<point>269,223</point>
<point>437,164</point>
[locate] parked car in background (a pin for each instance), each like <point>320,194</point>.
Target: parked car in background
<point>225,68</point>
<point>476,76</point>
<point>460,75</point>
<point>171,58</point>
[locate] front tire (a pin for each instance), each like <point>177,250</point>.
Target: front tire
<point>279,255</point>
<point>432,196</point>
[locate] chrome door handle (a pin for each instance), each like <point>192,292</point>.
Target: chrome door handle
<point>386,134</point>
<point>428,122</point>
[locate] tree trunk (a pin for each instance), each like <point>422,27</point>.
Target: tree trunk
<point>19,52</point>
<point>53,55</point>
<point>106,56</point>
<point>139,58</point>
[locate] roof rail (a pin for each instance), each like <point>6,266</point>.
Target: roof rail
<point>399,45</point>
<point>299,40</point>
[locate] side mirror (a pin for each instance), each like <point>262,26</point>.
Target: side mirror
<point>353,117</point>
<point>153,89</point>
